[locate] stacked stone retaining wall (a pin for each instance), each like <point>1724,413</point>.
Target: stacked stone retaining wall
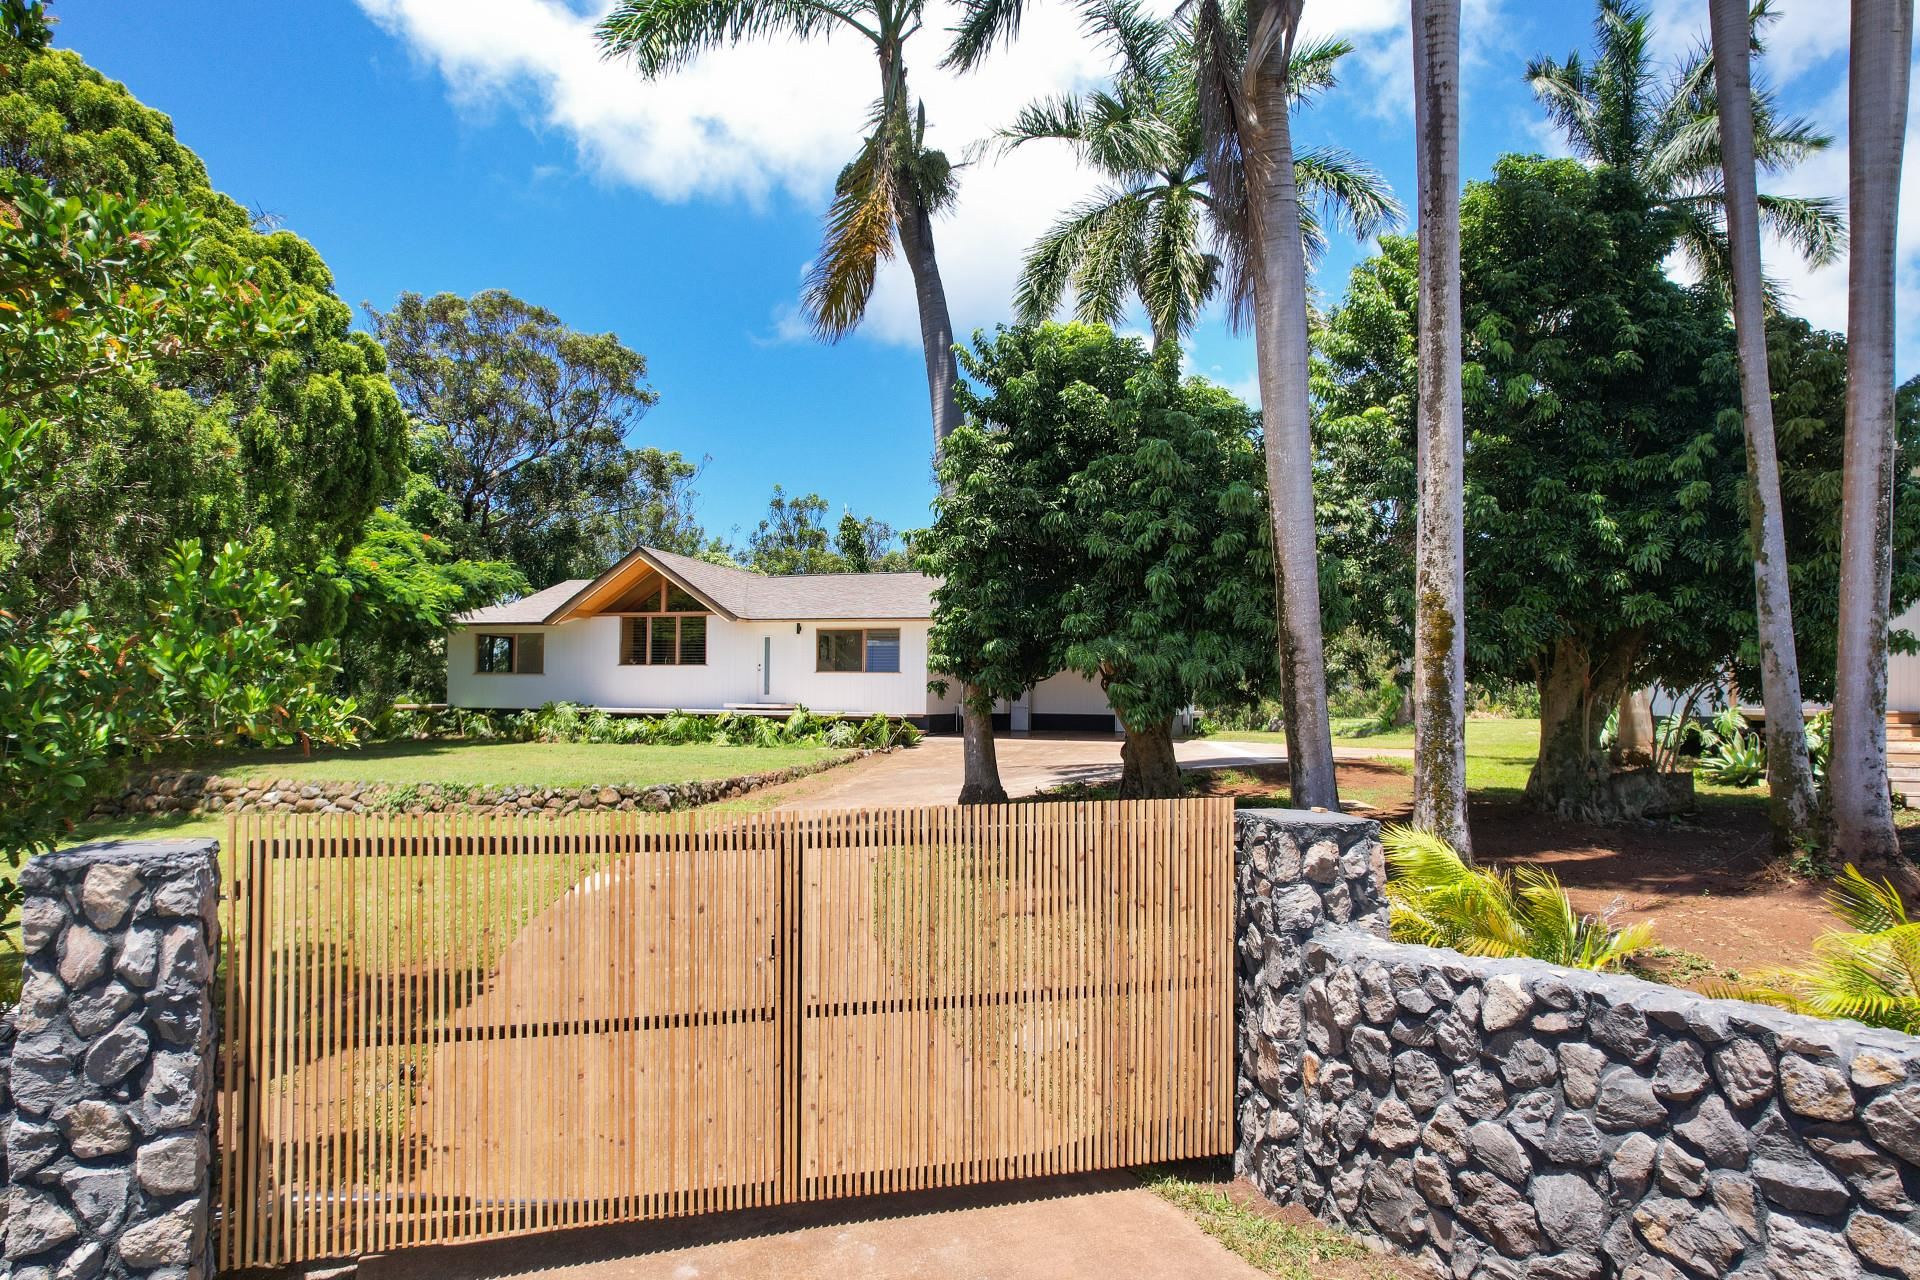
<point>1512,1120</point>
<point>181,791</point>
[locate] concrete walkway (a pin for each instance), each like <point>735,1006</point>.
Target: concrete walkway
<point>1096,1227</point>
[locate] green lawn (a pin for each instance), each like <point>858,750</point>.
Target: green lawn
<point>527,764</point>
<point>1483,736</point>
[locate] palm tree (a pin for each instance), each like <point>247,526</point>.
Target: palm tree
<point>1440,570</point>
<point>1877,73</point>
<point>1146,234</point>
<point>1245,52</point>
<point>1620,112</point>
<point>888,193</point>
<point>1789,772</point>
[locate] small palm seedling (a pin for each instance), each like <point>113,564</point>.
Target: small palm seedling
<point>1437,900</point>
<point>1869,971</point>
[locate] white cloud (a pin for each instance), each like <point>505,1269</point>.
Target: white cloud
<point>764,121</point>
<point>1804,33</point>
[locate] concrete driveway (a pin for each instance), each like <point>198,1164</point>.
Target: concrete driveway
<point>930,773</point>
<point>1095,1227</point>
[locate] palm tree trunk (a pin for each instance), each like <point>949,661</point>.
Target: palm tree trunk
<point>1882,44</point>
<point>1440,574</point>
<point>936,325</point>
<point>1789,774</point>
<point>980,766</point>
<point>1280,319</point>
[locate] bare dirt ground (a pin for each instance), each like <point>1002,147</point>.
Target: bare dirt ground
<point>1708,882</point>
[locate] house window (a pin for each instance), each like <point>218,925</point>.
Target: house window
<point>875,650</point>
<point>663,642</point>
<point>519,655</point>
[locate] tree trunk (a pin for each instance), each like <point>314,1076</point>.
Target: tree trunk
<point>1882,44</point>
<point>980,781</point>
<point>1148,767</point>
<point>1578,688</point>
<point>980,777</point>
<point>936,325</point>
<point>1791,802</point>
<point>1280,320</point>
<point>1633,737</point>
<point>1440,577</point>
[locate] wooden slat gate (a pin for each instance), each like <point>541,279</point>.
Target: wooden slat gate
<point>454,1029</point>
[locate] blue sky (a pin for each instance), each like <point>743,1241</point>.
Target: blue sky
<point>466,144</point>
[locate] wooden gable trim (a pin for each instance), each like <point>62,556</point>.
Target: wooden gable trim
<point>615,582</point>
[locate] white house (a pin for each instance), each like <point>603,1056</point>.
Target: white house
<point>661,632</point>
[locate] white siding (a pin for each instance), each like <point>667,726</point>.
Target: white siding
<point>582,665</point>
<point>1903,669</point>
<point>1069,694</point>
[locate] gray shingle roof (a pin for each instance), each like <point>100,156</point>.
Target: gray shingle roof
<point>527,610</point>
<point>749,595</point>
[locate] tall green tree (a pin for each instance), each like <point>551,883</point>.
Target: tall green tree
<point>1618,109</point>
<point>524,422</point>
<point>94,286</point>
<point>1102,516</point>
<point>1149,233</point>
<point>1877,77</point>
<point>1605,485</point>
<point>887,194</point>
<point>287,446</point>
<point>1789,771</point>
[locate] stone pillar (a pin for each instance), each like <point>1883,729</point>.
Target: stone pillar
<point>1297,870</point>
<point>109,1133</point>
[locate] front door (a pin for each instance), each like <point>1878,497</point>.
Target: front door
<point>766,667</point>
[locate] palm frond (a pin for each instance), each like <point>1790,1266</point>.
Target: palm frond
<point>1813,225</point>
<point>1866,906</point>
<point>1139,41</point>
<point>982,24</point>
<point>1218,59</point>
<point>1311,71</point>
<point>660,36</point>
<point>1436,899</point>
<point>857,238</point>
<point>1057,257</point>
<point>1562,88</point>
<point>1346,190</point>
<point>1175,278</point>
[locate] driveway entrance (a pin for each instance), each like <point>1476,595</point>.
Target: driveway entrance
<point>1096,1227</point>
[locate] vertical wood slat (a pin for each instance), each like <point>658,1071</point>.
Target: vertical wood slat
<point>459,1029</point>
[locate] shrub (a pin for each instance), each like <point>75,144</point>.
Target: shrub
<point>1869,971</point>
<point>1438,901</point>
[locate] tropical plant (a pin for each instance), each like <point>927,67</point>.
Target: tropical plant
<point>1877,75</point>
<point>1732,756</point>
<point>1437,900</point>
<point>1621,112</point>
<point>1146,234</point>
<point>1869,971</point>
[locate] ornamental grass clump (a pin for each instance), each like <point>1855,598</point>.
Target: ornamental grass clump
<point>1869,971</point>
<point>1437,900</point>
